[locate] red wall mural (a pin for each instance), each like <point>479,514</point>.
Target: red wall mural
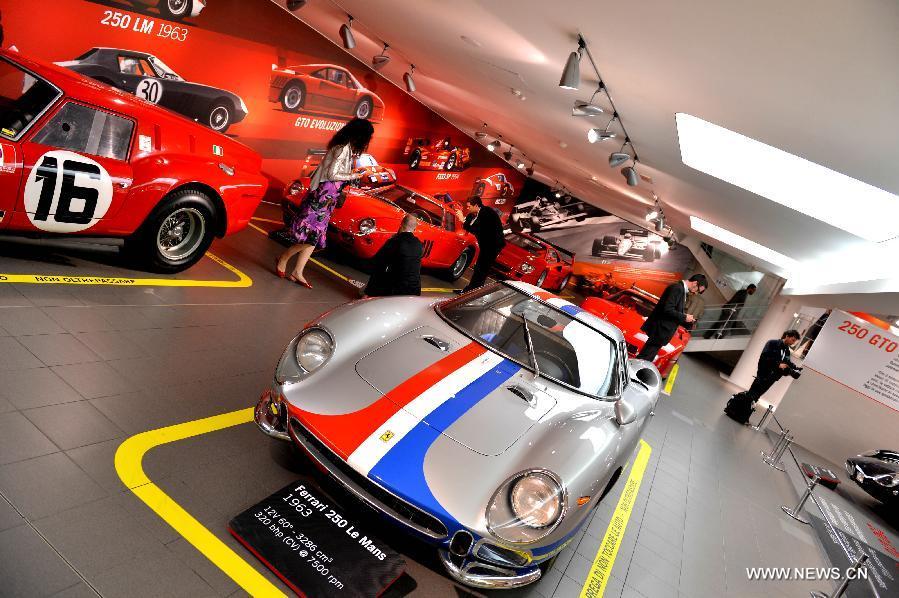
<point>253,71</point>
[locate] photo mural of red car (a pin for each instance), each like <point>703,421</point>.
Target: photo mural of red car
<point>441,155</point>
<point>150,79</point>
<point>628,309</point>
<point>494,189</point>
<point>174,9</point>
<point>323,89</point>
<point>82,158</point>
<point>535,261</point>
<point>368,218</point>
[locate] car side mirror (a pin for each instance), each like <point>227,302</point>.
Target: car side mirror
<point>636,405</point>
<point>632,407</point>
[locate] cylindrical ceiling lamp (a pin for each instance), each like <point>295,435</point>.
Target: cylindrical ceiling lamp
<point>408,80</point>
<point>346,34</point>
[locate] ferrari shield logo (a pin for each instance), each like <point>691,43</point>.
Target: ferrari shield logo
<point>386,436</point>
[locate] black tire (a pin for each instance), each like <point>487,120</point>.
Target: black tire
<point>175,10</point>
<point>649,254</point>
<point>610,240</point>
<point>564,283</point>
<point>414,159</point>
<point>152,244</point>
<point>541,279</point>
<point>363,108</point>
<point>293,96</point>
<point>450,162</point>
<point>597,247</point>
<point>455,272</point>
<point>220,116</point>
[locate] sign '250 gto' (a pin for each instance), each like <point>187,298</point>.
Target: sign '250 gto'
<point>78,157</point>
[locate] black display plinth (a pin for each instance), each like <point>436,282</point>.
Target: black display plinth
<point>306,539</point>
<point>826,477</point>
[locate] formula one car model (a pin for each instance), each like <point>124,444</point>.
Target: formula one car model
<point>323,89</point>
<point>493,190</point>
<point>84,159</point>
<point>630,244</point>
<point>541,213</point>
<point>441,155</point>
<point>149,78</point>
<point>627,309</point>
<point>175,10</point>
<point>877,473</point>
<point>534,260</point>
<point>368,218</point>
<point>488,425</point>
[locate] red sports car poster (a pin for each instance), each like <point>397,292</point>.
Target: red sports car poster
<point>263,77</point>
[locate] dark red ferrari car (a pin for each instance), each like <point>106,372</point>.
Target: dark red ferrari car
<point>627,309</point>
<point>535,261</point>
<point>82,158</point>
<point>441,155</point>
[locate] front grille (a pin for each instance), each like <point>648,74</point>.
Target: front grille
<point>392,505</point>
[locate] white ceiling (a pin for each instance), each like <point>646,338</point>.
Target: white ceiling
<point>816,78</point>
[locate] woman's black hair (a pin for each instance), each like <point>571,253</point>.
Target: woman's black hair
<point>358,133</point>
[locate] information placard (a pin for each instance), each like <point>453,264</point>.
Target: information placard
<point>859,355</point>
<point>305,537</point>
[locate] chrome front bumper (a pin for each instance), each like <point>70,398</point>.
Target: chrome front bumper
<point>502,579</point>
<point>271,417</point>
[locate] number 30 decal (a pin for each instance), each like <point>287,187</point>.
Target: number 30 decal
<point>150,90</point>
<point>67,192</point>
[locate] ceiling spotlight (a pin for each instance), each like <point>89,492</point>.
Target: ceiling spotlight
<point>582,108</point>
<point>295,4</point>
<point>558,193</point>
<point>481,134</point>
<point>571,75</point>
<point>408,80</point>
<point>630,173</point>
<point>620,157</point>
<point>652,215</point>
<point>508,153</point>
<point>379,60</point>
<point>346,34</point>
<point>660,224</point>
<point>530,169</point>
<point>493,145</point>
<point>520,165</point>
<point>594,135</point>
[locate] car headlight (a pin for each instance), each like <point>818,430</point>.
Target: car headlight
<point>890,480</point>
<point>313,349</point>
<point>527,268</point>
<point>366,226</point>
<point>536,500</point>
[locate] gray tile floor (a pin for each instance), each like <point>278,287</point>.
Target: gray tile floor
<point>82,368</point>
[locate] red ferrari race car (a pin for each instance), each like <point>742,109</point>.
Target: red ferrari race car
<point>494,189</point>
<point>323,89</point>
<point>442,155</point>
<point>367,219</point>
<point>82,158</point>
<point>535,261</point>
<point>627,309</point>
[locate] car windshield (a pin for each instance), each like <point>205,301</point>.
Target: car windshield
<point>163,69</point>
<point>23,98</point>
<point>409,201</point>
<point>641,305</point>
<point>523,242</point>
<point>566,350</point>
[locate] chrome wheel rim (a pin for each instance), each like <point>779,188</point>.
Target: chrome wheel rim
<point>177,6</point>
<point>293,97</point>
<point>364,110</point>
<point>565,282</point>
<point>180,234</point>
<point>542,279</point>
<point>218,118</point>
<point>461,263</point>
<point>450,162</point>
<point>415,160</point>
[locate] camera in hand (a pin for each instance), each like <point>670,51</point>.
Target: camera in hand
<point>792,370</point>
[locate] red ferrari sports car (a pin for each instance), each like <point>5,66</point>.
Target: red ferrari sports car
<point>494,189</point>
<point>323,89</point>
<point>627,309</point>
<point>442,155</point>
<point>82,158</point>
<point>535,261</point>
<point>368,218</point>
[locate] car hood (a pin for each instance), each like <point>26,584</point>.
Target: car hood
<point>359,205</point>
<point>874,466</point>
<point>458,387</point>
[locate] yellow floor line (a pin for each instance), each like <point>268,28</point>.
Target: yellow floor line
<point>242,279</point>
<point>129,466</point>
<point>598,577</point>
<point>669,384</point>
<point>269,220</point>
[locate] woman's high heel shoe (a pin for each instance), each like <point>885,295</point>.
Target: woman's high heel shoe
<point>293,278</point>
<point>281,273</point>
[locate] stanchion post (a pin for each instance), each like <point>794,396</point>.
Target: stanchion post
<point>846,579</point>
<point>796,511</point>
<point>777,452</point>
<point>764,419</point>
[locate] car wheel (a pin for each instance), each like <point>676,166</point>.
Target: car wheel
<point>175,9</point>
<point>219,117</point>
<point>363,109</point>
<point>450,162</point>
<point>565,282</point>
<point>541,279</point>
<point>177,234</point>
<point>414,160</point>
<point>648,254</point>
<point>597,247</point>
<point>459,266</point>
<point>293,97</point>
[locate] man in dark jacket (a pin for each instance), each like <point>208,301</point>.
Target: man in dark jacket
<point>485,224</point>
<point>729,312</point>
<point>396,267</point>
<point>668,314</point>
<point>773,362</point>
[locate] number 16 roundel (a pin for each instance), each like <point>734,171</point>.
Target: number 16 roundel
<point>67,192</point>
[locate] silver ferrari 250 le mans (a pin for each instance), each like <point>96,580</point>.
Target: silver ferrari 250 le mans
<point>489,425</point>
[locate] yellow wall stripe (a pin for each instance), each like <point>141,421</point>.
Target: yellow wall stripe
<point>598,577</point>
<point>669,384</point>
<point>129,466</point>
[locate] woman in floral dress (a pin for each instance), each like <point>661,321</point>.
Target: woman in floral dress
<point>308,224</point>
